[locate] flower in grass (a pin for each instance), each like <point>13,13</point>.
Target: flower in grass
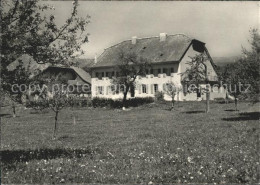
<point>189,159</point>
<point>62,180</point>
<point>58,169</point>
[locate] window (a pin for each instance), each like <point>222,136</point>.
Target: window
<point>113,74</point>
<point>113,89</point>
<point>109,74</point>
<point>102,74</point>
<point>144,89</point>
<point>164,70</point>
<point>98,75</point>
<point>159,71</point>
<point>151,71</point>
<point>147,71</point>
<point>100,90</point>
<point>155,87</point>
<point>172,70</point>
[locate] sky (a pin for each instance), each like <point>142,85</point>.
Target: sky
<point>223,26</point>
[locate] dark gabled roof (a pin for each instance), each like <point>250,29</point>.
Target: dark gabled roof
<point>84,63</point>
<point>156,51</point>
<point>28,63</point>
<point>82,74</point>
<point>85,76</point>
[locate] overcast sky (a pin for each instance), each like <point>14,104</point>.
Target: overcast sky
<point>223,26</point>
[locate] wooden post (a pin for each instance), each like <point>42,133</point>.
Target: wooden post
<point>207,98</point>
<point>207,88</point>
<point>55,125</point>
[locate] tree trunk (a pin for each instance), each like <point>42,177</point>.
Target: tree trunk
<point>55,124</point>
<point>236,103</point>
<point>207,99</point>
<point>172,102</point>
<point>14,112</point>
<point>74,120</point>
<point>124,98</point>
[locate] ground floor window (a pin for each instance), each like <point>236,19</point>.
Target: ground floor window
<point>144,88</point>
<point>155,87</point>
<point>100,90</point>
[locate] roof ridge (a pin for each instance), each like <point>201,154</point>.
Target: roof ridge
<point>144,38</point>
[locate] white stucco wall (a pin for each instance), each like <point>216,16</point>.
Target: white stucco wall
<point>149,80</point>
<point>191,53</point>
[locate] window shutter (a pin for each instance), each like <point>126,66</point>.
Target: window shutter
<point>164,87</point>
<point>140,89</point>
<point>107,90</point>
<point>147,88</point>
<point>96,90</point>
<point>151,88</point>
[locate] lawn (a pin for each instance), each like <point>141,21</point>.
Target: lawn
<point>147,144</point>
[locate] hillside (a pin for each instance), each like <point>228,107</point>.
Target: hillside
<point>222,61</point>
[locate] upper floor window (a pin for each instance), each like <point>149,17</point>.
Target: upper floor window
<point>172,70</point>
<point>165,70</point>
<point>159,71</point>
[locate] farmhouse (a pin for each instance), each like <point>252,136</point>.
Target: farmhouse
<point>73,76</point>
<point>168,55</point>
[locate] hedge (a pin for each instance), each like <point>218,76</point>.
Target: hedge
<point>133,102</point>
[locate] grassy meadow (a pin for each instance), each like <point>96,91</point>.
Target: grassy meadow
<point>146,144</point>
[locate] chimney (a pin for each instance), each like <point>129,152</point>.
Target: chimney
<point>163,37</point>
<point>95,58</point>
<point>134,39</point>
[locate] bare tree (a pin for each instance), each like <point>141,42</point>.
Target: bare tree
<point>54,96</point>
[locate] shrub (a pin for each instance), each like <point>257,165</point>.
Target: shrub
<point>80,102</point>
<point>107,102</point>
<point>223,100</point>
<point>159,96</point>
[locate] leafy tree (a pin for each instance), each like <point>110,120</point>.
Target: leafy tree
<point>16,85</point>
<point>129,68</point>
<point>171,89</point>
<point>26,29</point>
<point>244,72</point>
<point>197,73</point>
<point>250,65</point>
<point>232,80</point>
